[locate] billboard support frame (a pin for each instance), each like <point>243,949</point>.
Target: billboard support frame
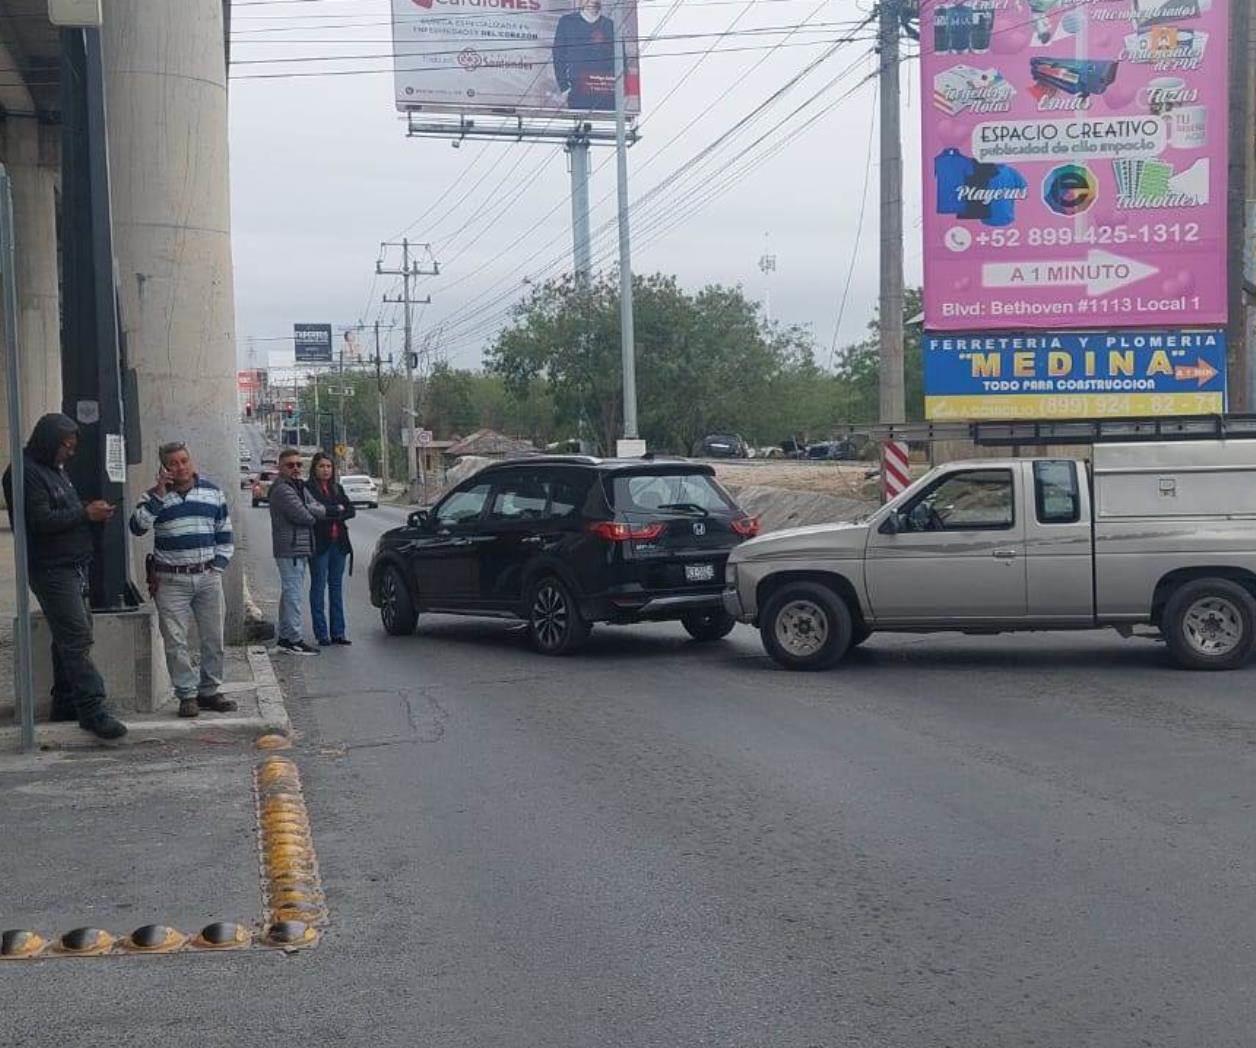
<point>514,128</point>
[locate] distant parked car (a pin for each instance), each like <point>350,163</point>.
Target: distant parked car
<point>246,476</point>
<point>361,490</point>
<point>270,456</point>
<point>261,487</point>
<point>834,450</point>
<point>723,445</point>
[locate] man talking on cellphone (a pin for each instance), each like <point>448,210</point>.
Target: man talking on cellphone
<point>192,546</point>
<point>59,556</point>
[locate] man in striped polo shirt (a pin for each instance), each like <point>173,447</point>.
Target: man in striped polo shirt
<point>192,545</point>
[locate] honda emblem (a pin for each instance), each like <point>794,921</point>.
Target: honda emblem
<point>699,529</point>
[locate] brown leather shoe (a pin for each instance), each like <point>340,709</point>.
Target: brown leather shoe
<point>217,703</point>
<point>188,708</point>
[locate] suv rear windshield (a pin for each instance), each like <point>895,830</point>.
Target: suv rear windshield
<point>668,492</point>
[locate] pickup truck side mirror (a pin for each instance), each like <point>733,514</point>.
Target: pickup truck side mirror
<point>892,525</point>
<point>419,520</point>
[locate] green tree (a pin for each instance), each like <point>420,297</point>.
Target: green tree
<point>705,362</point>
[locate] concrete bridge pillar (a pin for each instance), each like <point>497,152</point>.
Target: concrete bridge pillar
<point>29,151</point>
<point>166,92</point>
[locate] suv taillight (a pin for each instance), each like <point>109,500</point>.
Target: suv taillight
<point>746,527</point>
<point>613,531</point>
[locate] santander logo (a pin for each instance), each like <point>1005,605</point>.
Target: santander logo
<point>425,4</point>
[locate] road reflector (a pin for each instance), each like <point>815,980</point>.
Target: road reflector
<point>273,742</point>
<point>291,934</point>
<point>222,935</point>
<point>306,913</point>
<point>84,942</point>
<point>18,944</point>
<point>154,938</point>
<point>288,839</point>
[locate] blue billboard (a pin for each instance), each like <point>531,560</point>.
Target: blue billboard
<point>1074,374</point>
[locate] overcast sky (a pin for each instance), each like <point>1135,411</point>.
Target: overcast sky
<point>322,172</point>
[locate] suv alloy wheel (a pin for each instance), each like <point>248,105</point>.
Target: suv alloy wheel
<point>555,626</point>
<point>396,608</point>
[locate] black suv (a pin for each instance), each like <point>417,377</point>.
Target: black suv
<point>563,542</point>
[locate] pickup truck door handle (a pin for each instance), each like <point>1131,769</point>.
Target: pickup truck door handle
<point>531,540</point>
<point>1004,554</point>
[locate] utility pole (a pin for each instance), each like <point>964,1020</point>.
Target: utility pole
<point>893,398</point>
<point>626,335</point>
<point>1241,210</point>
<point>408,271</point>
<point>382,388</point>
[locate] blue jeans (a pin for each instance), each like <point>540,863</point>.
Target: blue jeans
<point>291,596</point>
<point>327,572</point>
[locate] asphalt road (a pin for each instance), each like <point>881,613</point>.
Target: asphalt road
<point>1037,840</point>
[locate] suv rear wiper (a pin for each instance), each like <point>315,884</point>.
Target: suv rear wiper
<point>688,507</point>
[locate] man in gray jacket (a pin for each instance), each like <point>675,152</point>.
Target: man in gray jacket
<point>293,511</point>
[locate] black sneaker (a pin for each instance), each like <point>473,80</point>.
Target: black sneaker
<point>341,640</point>
<point>103,725</point>
<point>324,642</point>
<point>301,648</point>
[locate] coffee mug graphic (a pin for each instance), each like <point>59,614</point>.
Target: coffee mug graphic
<point>1188,127</point>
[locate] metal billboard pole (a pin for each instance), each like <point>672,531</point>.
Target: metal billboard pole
<point>626,335</point>
<point>581,251</point>
<point>23,682</point>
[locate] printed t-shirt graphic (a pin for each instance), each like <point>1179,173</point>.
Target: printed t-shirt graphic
<point>951,169</point>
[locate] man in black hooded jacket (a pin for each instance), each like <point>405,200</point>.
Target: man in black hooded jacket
<point>59,554</point>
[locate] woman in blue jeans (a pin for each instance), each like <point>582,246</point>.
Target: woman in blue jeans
<point>331,550</point>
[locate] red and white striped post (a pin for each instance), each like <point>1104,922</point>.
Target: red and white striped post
<point>895,475</point>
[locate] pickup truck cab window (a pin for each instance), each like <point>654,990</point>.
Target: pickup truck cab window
<point>972,500</point>
<point>1055,492</point>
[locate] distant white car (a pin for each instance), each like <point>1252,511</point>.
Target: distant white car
<point>361,490</point>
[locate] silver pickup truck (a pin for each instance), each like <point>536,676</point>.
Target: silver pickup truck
<point>1159,534</point>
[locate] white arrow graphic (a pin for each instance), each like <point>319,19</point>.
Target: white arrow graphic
<point>1099,273</point>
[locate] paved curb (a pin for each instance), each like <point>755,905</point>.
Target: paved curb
<point>272,716</point>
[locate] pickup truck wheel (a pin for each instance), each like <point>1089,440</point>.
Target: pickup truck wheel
<point>708,625</point>
<point>1210,624</point>
<point>396,606</point>
<point>805,626</point>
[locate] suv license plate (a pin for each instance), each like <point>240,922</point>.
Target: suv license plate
<point>699,572</point>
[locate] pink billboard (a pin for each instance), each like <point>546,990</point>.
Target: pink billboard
<point>1075,163</point>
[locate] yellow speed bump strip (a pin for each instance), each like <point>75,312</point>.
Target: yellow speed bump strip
<point>295,905</point>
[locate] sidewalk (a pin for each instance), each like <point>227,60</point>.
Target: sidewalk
<point>250,680</point>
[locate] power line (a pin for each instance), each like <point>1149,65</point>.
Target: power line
<point>659,220</point>
<point>854,254</point>
<point>740,125</point>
